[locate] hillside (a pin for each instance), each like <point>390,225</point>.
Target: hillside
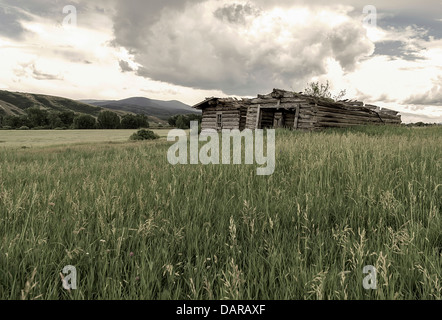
<point>140,105</point>
<point>15,103</point>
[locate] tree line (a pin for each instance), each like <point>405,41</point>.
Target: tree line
<point>36,118</point>
<point>183,121</point>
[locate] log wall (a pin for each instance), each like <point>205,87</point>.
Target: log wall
<point>299,112</point>
<point>230,118</point>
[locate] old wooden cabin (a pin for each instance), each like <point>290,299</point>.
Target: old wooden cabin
<point>284,109</point>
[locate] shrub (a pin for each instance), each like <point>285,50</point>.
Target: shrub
<point>144,135</point>
<point>320,90</point>
<point>108,120</point>
<point>37,117</point>
<point>130,121</point>
<point>84,122</point>
<point>183,121</point>
<point>24,128</point>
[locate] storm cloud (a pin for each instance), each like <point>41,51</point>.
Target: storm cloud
<point>245,50</point>
<point>199,48</point>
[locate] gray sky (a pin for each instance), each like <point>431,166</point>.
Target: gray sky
<point>188,50</point>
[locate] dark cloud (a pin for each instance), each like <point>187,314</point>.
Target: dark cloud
<point>349,44</point>
<point>10,25</point>
<point>125,67</point>
<point>398,50</point>
<point>428,21</point>
<point>14,12</point>
<point>236,13</point>
<point>133,19</point>
<point>220,44</point>
<point>240,51</point>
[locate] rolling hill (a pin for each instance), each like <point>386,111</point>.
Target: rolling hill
<point>15,103</point>
<point>139,105</point>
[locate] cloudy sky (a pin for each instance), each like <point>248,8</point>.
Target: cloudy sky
<point>191,49</point>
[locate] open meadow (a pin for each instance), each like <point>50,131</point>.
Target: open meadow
<point>44,138</point>
<point>136,227</point>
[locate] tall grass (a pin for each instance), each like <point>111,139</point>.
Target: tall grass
<point>136,227</point>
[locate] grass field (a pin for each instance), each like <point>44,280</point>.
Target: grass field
<point>45,138</point>
<point>136,227</point>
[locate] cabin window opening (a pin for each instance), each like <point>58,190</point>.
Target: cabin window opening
<point>219,120</point>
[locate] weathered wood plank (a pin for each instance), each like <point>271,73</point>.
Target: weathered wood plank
<point>297,117</point>
<point>258,116</point>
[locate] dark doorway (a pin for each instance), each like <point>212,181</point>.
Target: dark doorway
<point>277,118</point>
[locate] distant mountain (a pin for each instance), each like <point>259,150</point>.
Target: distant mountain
<point>139,105</point>
<point>15,103</point>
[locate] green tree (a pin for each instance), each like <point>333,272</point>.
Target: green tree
<point>320,90</point>
<point>143,121</point>
<point>131,121</point>
<point>37,117</point>
<point>16,122</point>
<point>67,117</point>
<point>172,121</point>
<point>84,122</point>
<point>108,120</point>
<point>144,135</point>
<point>54,120</point>
<point>182,122</point>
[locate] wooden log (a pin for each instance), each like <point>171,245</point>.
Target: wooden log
<point>295,101</point>
<point>258,116</point>
<point>345,109</point>
<point>388,116</point>
<point>334,124</point>
<point>297,117</point>
<point>265,96</point>
<point>348,117</point>
<point>389,112</point>
<point>264,101</point>
<point>345,120</point>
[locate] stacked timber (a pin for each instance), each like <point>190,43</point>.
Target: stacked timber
<point>290,110</point>
<point>317,113</point>
<point>233,113</point>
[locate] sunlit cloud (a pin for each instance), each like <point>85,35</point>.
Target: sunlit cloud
<point>192,49</point>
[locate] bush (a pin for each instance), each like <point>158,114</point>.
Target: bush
<point>24,128</point>
<point>108,120</point>
<point>183,121</point>
<point>130,121</point>
<point>84,122</point>
<point>320,90</point>
<point>144,135</point>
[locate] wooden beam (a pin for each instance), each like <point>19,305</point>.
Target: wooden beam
<point>297,117</point>
<point>258,116</point>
